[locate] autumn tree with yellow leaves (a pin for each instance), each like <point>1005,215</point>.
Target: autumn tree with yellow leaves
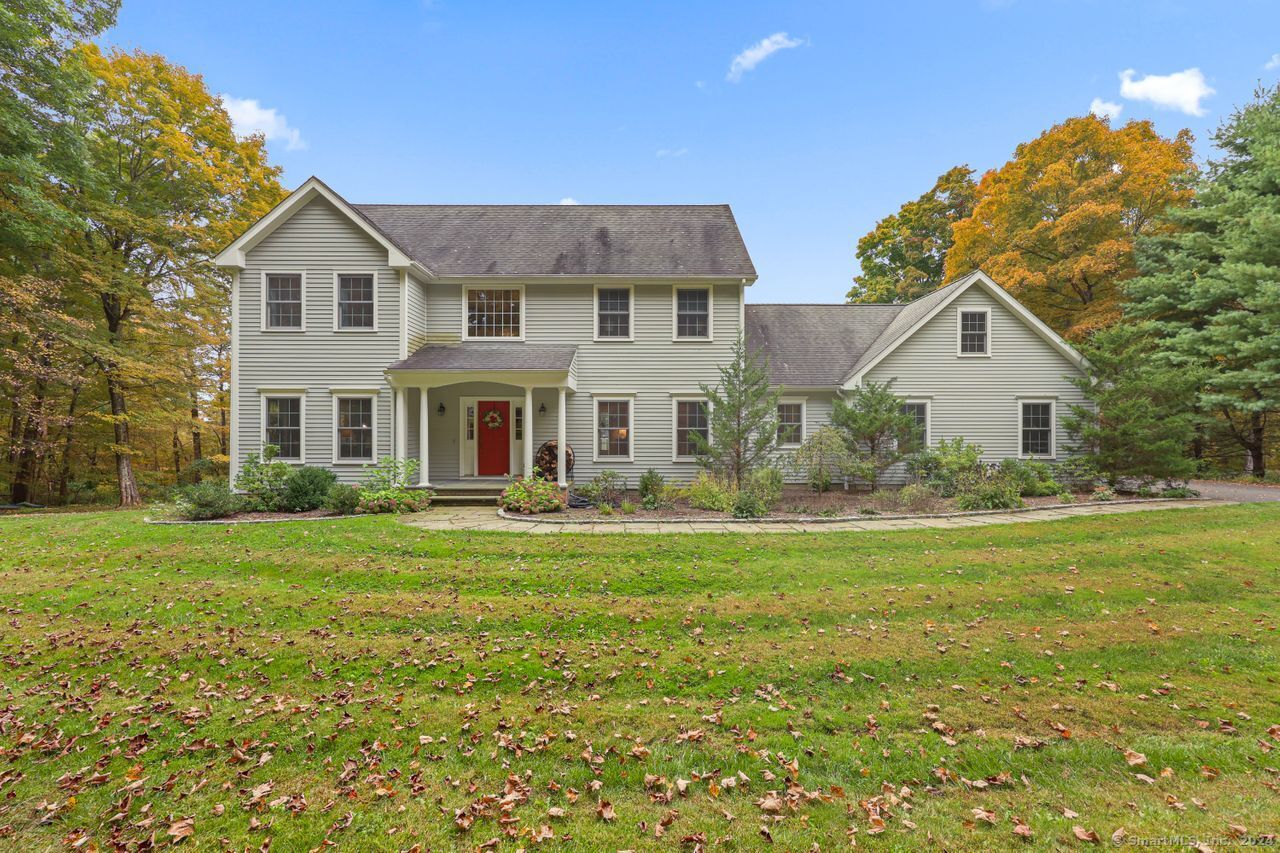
<point>1056,225</point>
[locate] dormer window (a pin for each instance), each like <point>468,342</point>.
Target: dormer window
<point>974,331</point>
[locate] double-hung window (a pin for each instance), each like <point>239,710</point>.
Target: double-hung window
<point>918,410</point>
<point>613,313</point>
<point>355,302</point>
<point>974,332</point>
<point>282,426</point>
<point>693,313</point>
<point>283,301</point>
<point>354,428</point>
<point>692,421</point>
<point>495,312</point>
<point>613,428</point>
<point>790,422</point>
<point>1035,427</point>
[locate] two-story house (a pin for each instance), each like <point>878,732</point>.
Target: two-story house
<point>466,336</point>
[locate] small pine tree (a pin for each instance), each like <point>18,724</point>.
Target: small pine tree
<point>875,427</point>
<point>743,417</point>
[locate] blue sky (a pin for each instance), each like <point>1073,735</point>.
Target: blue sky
<point>832,115</point>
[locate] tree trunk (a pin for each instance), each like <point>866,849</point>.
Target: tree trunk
<point>197,450</point>
<point>177,455</point>
<point>1256,445</point>
<point>64,474</point>
<point>129,496</point>
<point>25,463</point>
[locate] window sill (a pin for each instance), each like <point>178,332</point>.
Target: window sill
<point>973,355</point>
<point>612,340</point>
<point>353,462</point>
<point>288,330</point>
<point>356,330</point>
<point>496,339</point>
<point>680,340</point>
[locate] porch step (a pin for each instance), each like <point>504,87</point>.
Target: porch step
<point>468,493</point>
<point>456,499</point>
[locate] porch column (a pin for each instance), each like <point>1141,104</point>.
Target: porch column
<point>562,476</point>
<point>424,419</point>
<point>528,432</point>
<point>402,423</point>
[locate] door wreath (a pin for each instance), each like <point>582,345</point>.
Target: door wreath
<point>493,419</point>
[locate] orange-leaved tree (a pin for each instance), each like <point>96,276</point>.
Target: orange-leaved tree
<point>1056,225</point>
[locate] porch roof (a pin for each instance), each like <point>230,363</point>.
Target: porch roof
<point>489,356</point>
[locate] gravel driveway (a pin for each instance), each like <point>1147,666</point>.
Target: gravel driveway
<point>1243,492</point>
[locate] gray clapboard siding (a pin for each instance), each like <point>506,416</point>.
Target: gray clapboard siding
<point>977,398</point>
<point>318,241</point>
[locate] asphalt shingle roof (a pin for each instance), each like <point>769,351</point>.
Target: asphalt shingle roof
<point>553,239</point>
<point>815,345</point>
<point>473,355</point>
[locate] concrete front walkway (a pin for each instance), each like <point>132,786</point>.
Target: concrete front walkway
<point>487,518</point>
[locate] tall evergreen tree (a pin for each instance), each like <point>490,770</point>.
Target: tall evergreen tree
<point>1210,289</point>
<point>743,416</point>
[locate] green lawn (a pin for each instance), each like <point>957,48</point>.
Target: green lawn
<point>365,682</point>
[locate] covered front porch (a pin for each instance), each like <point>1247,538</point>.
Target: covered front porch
<point>476,413</point>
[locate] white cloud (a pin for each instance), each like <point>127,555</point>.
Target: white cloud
<point>249,117</point>
<point>1105,109</point>
<point>671,152</point>
<point>1182,90</point>
<point>1273,63</point>
<point>568,200</point>
<point>757,53</point>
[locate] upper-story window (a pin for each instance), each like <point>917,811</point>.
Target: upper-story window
<point>613,313</point>
<point>693,313</point>
<point>355,301</point>
<point>974,330</point>
<point>495,313</point>
<point>283,301</point>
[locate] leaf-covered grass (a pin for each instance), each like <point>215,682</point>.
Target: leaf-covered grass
<point>380,686</point>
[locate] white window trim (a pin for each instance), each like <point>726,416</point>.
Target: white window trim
<point>675,312</point>
<point>960,312</point>
<point>928,416</point>
<point>804,419</point>
<point>596,400</point>
<point>302,283</point>
<point>466,289</point>
<point>1053,426</point>
<point>595,312</point>
<point>676,400</point>
<point>354,394</point>
<point>337,300</point>
<point>301,394</point>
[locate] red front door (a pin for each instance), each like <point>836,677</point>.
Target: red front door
<point>493,435</point>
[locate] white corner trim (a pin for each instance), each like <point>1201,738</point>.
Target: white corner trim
<point>265,394</point>
<point>405,284</point>
<point>804,420</point>
<point>597,399</point>
<point>338,275</point>
<point>711,312</point>
<point>1000,295</point>
<point>233,391</point>
<point>676,400</point>
<point>467,288</point>
<point>1052,400</point>
<point>355,394</point>
<point>302,292</point>
<point>631,313</point>
<point>986,352</point>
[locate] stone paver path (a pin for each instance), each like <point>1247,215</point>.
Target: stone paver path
<point>487,518</point>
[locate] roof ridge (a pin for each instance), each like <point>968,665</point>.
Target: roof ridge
<point>541,204</point>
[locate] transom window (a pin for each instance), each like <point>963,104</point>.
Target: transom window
<point>973,332</point>
<point>790,423</point>
<point>613,428</point>
<point>1037,428</point>
<point>613,312</point>
<point>919,411</point>
<point>355,428</point>
<point>355,302</point>
<point>693,312</point>
<point>284,301</point>
<point>284,426</point>
<point>493,313</point>
<point>691,420</point>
